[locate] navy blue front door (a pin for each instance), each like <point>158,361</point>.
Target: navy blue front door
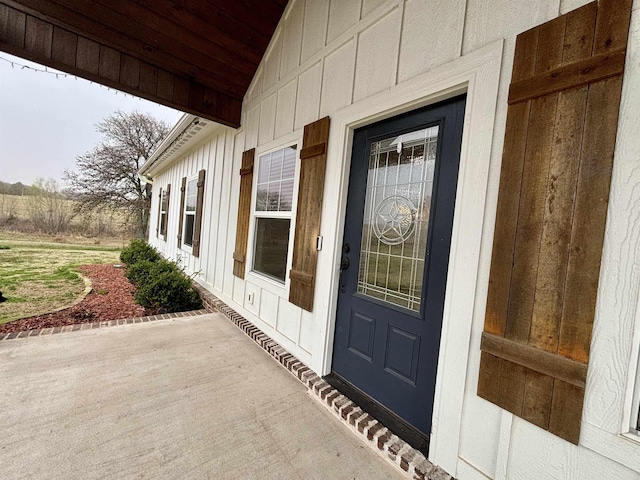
<point>400,207</point>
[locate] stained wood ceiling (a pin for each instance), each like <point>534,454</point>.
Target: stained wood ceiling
<point>198,56</point>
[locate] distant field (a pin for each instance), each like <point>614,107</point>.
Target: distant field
<point>37,274</point>
<point>15,215</point>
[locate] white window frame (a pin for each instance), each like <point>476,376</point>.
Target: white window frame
<point>185,246</point>
<point>265,281</point>
<point>163,198</point>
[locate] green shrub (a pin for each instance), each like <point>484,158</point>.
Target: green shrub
<point>139,250</point>
<point>170,291</point>
<point>141,271</point>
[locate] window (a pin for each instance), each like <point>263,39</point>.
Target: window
<point>274,198</point>
<point>163,213</point>
<point>190,211</point>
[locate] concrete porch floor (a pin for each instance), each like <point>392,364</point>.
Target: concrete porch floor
<point>187,398</point>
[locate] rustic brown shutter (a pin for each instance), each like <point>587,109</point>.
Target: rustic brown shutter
<point>159,210</point>
<point>166,214</point>
<point>244,211</point>
<point>197,222</point>
<point>554,188</point>
<point>313,159</point>
<point>183,189</point>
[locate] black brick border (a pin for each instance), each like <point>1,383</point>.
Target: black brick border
<point>409,460</point>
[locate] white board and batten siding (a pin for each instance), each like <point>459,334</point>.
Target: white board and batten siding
<point>359,61</point>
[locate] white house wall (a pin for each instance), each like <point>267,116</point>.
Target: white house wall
<point>341,58</point>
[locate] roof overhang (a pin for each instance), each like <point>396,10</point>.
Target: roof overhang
<point>190,131</point>
<point>193,55</point>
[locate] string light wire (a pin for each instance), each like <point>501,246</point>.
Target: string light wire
<point>58,74</point>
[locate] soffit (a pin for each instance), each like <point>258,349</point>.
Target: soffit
<point>195,55</point>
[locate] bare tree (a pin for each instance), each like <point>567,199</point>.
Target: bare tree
<point>107,175</point>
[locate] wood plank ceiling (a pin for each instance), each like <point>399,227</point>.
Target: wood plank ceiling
<point>198,56</point>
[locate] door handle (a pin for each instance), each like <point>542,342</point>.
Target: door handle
<point>344,264</point>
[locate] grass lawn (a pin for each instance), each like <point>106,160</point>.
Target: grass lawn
<point>37,275</point>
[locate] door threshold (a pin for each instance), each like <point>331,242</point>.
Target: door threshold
<point>393,422</point>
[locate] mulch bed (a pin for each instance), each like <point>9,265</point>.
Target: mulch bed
<point>111,298</point>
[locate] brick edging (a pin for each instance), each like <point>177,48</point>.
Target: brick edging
<point>410,461</point>
<point>40,332</point>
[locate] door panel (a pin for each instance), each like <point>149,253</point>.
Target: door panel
<point>398,224</point>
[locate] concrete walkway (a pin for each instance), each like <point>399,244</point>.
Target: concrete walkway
<point>189,398</point>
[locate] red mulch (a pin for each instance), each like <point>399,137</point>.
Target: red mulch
<point>112,298</point>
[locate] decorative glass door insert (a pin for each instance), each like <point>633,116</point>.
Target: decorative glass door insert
<point>396,217</point>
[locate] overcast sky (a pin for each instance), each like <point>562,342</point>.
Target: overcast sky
<point>45,122</point>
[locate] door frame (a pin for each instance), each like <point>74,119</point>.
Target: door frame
<point>477,74</point>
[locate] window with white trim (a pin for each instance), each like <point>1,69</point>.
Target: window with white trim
<point>272,213</point>
<point>163,213</point>
<point>189,213</point>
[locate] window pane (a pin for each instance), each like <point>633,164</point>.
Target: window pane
<point>275,172</point>
<point>163,222</point>
<point>274,196</point>
<point>396,218</point>
<point>163,202</point>
<point>275,180</point>
<point>286,195</point>
<point>261,197</point>
<point>263,168</point>
<point>190,200</point>
<point>271,247</point>
<point>188,229</point>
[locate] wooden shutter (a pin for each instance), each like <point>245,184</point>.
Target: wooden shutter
<point>313,159</point>
<point>166,214</point>
<point>244,211</point>
<point>197,222</point>
<point>554,188</point>
<point>159,210</point>
<point>183,189</point>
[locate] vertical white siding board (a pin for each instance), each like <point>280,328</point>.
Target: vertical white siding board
<point>342,16</point>
<point>267,119</point>
<point>255,88</point>
<point>252,123</point>
<point>285,109</point>
<point>431,35</point>
<point>489,21</point>
<point>272,62</point>
<point>269,308</point>
<point>238,290</point>
<point>337,78</point>
<point>315,27</point>
<point>568,5</point>
<point>479,438</point>
<point>369,6</point>
<point>215,166</point>
<point>292,44</point>
<point>308,99</point>
<point>288,320</point>
<point>377,57</point>
<point>308,331</point>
